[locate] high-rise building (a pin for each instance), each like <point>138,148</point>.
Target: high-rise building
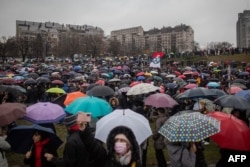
<point>243,29</point>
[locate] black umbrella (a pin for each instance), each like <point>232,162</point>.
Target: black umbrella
<point>101,91</point>
<point>20,137</point>
<point>30,81</point>
<point>199,92</point>
<point>218,92</point>
<point>232,101</point>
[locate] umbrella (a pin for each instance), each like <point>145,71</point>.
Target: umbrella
<point>232,101</point>
<point>14,89</point>
<point>245,94</point>
<point>213,85</point>
<point>41,80</point>
<point>10,112</point>
<point>234,89</point>
<point>199,92</point>
<point>101,91</point>
<point>230,124</point>
<point>126,117</point>
<point>240,85</point>
<point>114,80</point>
<point>240,81</point>
<point>190,86</point>
<point>20,137</point>
<point>189,127</point>
<point>124,89</point>
<point>141,88</point>
<point>218,92</point>
<point>44,112</point>
<point>55,90</point>
<point>30,81</point>
<point>56,81</point>
<point>68,98</point>
<point>160,100</point>
<point>96,106</point>
<point>171,85</point>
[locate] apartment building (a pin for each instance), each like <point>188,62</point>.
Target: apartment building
<point>243,29</point>
<point>52,32</point>
<point>178,39</point>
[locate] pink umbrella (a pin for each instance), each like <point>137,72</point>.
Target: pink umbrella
<point>160,100</point>
<point>234,89</point>
<point>190,86</point>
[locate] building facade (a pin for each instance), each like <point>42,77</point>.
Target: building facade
<point>52,32</point>
<point>243,29</point>
<point>178,39</point>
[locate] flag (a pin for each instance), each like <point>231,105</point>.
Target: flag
<point>158,54</point>
<point>155,62</point>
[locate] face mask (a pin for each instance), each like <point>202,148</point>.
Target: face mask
<point>121,147</point>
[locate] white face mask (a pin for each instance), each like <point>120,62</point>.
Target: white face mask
<point>121,147</point>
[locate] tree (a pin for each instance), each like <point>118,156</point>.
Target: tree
<point>23,46</point>
<point>3,48</point>
<point>114,47</point>
<point>38,46</point>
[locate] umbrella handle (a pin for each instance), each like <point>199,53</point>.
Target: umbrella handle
<point>31,147</point>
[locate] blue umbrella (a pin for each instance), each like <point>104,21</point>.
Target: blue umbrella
<point>96,106</point>
<point>141,78</point>
<point>20,137</point>
<point>244,93</point>
<point>213,85</point>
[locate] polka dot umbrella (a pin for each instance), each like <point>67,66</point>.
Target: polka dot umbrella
<point>189,127</point>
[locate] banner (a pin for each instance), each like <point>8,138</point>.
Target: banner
<point>155,62</point>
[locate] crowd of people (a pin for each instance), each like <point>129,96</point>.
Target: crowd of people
<point>121,147</point>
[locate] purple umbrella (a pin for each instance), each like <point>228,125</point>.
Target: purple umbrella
<point>44,112</point>
<point>160,100</point>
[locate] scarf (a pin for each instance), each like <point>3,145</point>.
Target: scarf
<point>39,147</point>
<point>125,159</point>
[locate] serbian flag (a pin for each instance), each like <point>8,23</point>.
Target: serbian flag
<point>155,62</point>
<point>158,54</point>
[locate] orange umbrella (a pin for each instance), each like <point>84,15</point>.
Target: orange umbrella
<point>72,96</point>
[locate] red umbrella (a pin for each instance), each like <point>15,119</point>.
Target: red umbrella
<point>177,73</point>
<point>134,83</point>
<point>234,133</point>
<point>234,89</point>
<point>140,73</point>
<point>158,54</point>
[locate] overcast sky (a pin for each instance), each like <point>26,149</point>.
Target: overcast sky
<point>211,20</point>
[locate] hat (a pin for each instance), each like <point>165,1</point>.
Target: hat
<point>70,120</point>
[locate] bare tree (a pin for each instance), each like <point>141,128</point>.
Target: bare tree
<point>3,48</point>
<point>114,47</point>
<point>38,46</point>
<point>23,46</point>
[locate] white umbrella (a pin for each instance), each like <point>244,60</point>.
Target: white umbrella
<point>142,88</point>
<point>125,117</point>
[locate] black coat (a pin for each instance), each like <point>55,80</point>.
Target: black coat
<point>47,148</point>
<point>81,149</point>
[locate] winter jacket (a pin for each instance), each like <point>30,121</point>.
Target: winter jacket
<point>4,146</point>
<point>180,156</point>
<point>81,149</point>
<point>159,140</point>
<point>47,148</point>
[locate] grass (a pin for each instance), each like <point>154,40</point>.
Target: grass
<point>238,58</point>
<point>211,151</point>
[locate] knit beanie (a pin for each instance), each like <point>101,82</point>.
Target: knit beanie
<point>70,120</point>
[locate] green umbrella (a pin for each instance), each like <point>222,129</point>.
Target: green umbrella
<point>56,90</point>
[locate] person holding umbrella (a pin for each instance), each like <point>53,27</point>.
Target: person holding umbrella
<point>37,156</point>
<point>81,149</point>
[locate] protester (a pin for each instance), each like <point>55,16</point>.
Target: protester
<point>159,140</point>
<point>4,146</point>
<point>182,154</point>
<point>122,148</point>
<point>42,146</point>
<point>81,148</point>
